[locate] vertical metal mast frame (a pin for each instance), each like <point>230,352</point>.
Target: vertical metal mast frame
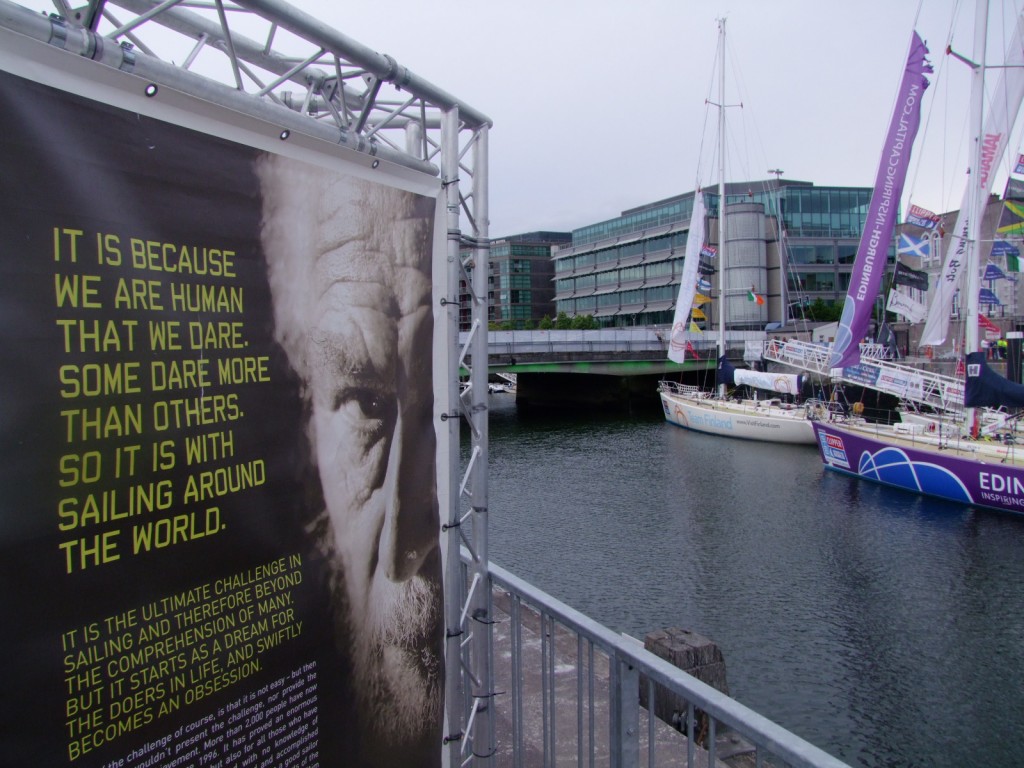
<point>269,60</point>
<point>722,250</point>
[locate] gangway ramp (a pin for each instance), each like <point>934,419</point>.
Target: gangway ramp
<point>913,385</point>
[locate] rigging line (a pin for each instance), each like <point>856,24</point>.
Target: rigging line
<point>754,143</point>
<point>1008,160</point>
<point>742,150</point>
<point>746,133</point>
<point>917,14</point>
<point>950,168</point>
<point>772,193</point>
<point>699,175</point>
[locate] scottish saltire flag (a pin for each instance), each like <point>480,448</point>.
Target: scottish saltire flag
<point>992,272</point>
<point>914,246</point>
<point>922,217</point>
<point>703,285</point>
<point>880,222</point>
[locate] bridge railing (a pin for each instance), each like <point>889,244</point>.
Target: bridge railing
<point>569,689</point>
<point>606,340</point>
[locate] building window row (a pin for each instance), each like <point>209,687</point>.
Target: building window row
<point>825,211</point>
<point>514,281</point>
<point>635,297</point>
<point>591,259</point>
<point>635,221</point>
<point>617,277</point>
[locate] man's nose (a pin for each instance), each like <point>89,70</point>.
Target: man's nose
<point>411,519</point>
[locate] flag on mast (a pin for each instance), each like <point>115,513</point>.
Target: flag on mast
<point>880,223</point>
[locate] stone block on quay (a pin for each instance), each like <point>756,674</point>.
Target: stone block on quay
<point>691,652</point>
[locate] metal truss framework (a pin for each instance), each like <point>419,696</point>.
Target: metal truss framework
<point>275,62</point>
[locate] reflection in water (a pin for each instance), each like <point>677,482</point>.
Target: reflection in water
<point>885,628</point>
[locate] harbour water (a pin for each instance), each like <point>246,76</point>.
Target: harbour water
<point>886,629</point>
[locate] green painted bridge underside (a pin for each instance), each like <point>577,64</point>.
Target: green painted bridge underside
<point>605,367</point>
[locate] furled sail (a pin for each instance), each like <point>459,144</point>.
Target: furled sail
<point>883,209</point>
<point>783,383</point>
<point>1003,108</point>
<point>688,281</point>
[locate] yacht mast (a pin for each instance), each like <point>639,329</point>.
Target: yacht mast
<point>976,198</point>
<point>721,194</point>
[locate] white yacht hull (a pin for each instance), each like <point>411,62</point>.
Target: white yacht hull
<point>768,421</point>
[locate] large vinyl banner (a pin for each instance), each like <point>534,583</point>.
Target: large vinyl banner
<point>219,526</point>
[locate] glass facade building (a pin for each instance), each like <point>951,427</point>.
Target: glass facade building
<point>626,271</point>
<point>520,281</point>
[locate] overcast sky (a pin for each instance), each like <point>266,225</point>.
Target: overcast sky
<point>599,105</point>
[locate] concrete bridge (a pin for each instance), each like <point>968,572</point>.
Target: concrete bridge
<point>612,367</point>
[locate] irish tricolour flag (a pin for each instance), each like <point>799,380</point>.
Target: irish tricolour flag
<point>754,297</point>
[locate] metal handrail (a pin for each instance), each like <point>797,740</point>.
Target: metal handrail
<point>628,661</point>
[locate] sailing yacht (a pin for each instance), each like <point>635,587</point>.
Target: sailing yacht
<point>771,419</point>
<point>692,408</point>
<point>689,407</point>
<point>962,465</point>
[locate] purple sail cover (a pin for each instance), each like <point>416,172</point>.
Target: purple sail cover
<point>882,212</point>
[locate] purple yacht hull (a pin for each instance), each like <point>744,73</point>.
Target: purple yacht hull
<point>983,475</point>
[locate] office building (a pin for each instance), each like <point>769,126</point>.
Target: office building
<point>520,285</point>
<point>626,271</point>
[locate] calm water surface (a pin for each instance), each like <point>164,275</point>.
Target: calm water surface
<point>886,629</point>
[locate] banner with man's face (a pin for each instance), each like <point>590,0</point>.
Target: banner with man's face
<point>219,535</point>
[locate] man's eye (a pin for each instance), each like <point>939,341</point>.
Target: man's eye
<point>363,404</point>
